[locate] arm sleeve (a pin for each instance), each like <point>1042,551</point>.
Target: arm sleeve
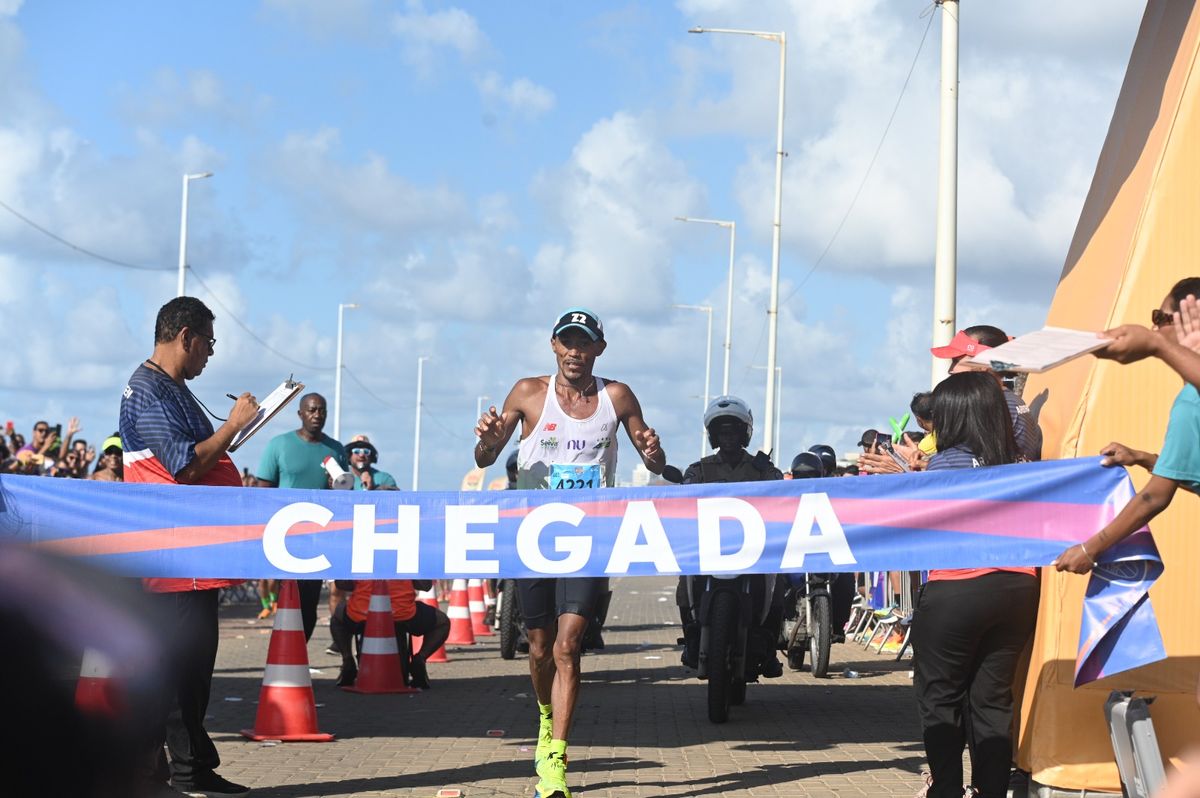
<point>268,464</point>
<point>384,480</point>
<point>692,475</point>
<point>163,427</point>
<point>1180,456</point>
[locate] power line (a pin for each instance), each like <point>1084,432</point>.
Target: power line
<point>213,296</point>
<point>871,165</point>
<point>369,392</point>
<point>76,247</point>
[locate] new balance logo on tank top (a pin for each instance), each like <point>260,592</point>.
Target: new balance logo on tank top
<point>564,453</point>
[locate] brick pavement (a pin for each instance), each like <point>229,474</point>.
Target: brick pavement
<point>641,727</point>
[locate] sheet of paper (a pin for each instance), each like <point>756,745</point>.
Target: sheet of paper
<point>267,408</point>
<point>1040,350</point>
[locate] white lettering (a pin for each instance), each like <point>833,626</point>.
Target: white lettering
<point>405,541</point>
<point>709,513</point>
<point>460,542</point>
<point>274,541</point>
<point>831,539</point>
<point>578,548</point>
<point>641,516</point>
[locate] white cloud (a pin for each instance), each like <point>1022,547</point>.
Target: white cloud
<point>9,8</point>
<point>521,96</point>
<point>422,34</point>
<point>322,19</point>
<point>614,199</point>
<point>362,197</point>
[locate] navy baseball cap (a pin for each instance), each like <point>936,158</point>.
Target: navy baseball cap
<point>580,318</point>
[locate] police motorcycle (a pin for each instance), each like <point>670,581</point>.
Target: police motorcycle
<point>808,603</point>
<point>730,620</point>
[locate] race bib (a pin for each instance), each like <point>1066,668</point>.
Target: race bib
<point>564,476</point>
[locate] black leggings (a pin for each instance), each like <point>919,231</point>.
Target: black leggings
<point>968,636</point>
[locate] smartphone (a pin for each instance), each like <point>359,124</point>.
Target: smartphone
<point>885,444</point>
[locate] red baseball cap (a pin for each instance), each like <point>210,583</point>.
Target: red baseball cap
<point>962,345</point>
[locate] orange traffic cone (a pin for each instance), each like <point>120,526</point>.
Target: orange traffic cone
<point>460,616</point>
<point>379,668</point>
<point>96,693</point>
<point>475,606</point>
<point>429,597</point>
<point>286,708</point>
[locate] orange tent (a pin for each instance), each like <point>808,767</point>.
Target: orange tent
<point>1138,233</point>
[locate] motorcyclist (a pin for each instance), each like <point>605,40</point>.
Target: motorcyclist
<point>730,426</point>
<point>820,460</point>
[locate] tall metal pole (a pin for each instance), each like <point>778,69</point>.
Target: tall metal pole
<point>773,309</point>
<point>777,226</point>
<point>728,293</point>
<point>707,369</point>
<point>946,254</point>
<point>181,283</point>
<point>479,406</point>
<point>729,311</point>
<point>337,377</point>
<point>417,426</point>
<point>779,409</point>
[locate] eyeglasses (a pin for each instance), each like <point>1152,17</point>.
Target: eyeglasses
<point>1160,319</point>
<point>360,451</point>
<point>212,342</point>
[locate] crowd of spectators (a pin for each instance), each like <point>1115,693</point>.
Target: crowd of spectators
<point>52,452</point>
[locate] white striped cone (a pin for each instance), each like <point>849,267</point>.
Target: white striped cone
<point>429,597</point>
<point>96,693</point>
<point>460,616</point>
<point>286,708</point>
<point>475,606</point>
<point>379,668</point>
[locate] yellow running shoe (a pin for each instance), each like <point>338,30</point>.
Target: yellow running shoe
<point>552,778</point>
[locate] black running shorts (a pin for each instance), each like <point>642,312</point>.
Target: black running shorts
<point>543,600</point>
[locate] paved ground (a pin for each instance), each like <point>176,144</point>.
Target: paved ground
<point>641,728</point>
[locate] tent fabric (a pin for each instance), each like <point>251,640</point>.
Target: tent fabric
<point>1137,235</point>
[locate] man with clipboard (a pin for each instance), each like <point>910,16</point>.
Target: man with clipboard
<point>168,439</point>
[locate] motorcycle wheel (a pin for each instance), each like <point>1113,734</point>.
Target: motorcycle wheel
<point>818,644</point>
<point>722,631</point>
<point>509,620</point>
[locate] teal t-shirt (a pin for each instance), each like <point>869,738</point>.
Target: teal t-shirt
<point>1180,456</point>
<point>382,480</point>
<point>292,462</point>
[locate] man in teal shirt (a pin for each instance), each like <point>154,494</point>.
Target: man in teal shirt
<point>296,460</point>
<point>363,456</point>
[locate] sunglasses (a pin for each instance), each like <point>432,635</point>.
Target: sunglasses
<point>1160,319</point>
<point>41,429</point>
<point>360,451</point>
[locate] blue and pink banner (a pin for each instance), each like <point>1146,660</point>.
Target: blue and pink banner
<point>1023,514</point>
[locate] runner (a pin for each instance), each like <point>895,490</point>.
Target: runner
<point>568,434</point>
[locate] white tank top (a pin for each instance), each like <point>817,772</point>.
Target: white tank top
<point>561,450</point>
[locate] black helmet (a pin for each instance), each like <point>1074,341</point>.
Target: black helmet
<point>828,457</point>
<point>807,465</point>
<point>511,463</point>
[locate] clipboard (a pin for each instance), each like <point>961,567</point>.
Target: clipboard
<point>1041,350</point>
<point>267,408</point>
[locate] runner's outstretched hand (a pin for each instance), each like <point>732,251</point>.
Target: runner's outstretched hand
<point>647,440</point>
<point>490,429</point>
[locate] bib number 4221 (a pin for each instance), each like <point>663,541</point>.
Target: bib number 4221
<point>569,476</point>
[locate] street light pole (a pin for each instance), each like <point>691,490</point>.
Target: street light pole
<point>479,400</point>
<point>728,294</point>
<point>707,368</point>
<point>778,405</point>
<point>777,225</point>
<point>946,253</point>
<point>417,427</point>
<point>337,378</point>
<point>183,231</point>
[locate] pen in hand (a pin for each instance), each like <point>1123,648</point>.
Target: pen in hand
<point>231,396</point>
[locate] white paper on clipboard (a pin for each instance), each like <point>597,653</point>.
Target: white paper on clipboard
<point>1040,350</point>
<point>267,408</point>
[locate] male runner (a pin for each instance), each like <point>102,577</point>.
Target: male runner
<point>568,432</point>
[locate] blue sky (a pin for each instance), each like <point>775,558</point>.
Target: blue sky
<point>464,172</point>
